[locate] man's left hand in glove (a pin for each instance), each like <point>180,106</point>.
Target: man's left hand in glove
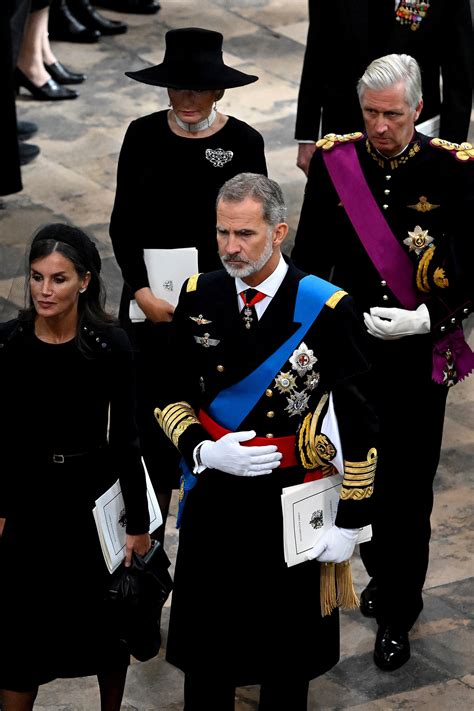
<point>391,324</point>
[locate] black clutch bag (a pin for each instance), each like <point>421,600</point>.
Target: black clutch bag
<point>135,598</point>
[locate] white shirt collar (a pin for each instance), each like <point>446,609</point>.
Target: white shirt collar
<point>271,284</point>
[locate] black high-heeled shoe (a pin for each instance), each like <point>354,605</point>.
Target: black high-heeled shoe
<point>50,91</point>
<point>93,20</point>
<point>63,75</point>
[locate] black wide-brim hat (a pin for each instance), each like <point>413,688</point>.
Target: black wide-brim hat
<point>193,60</point>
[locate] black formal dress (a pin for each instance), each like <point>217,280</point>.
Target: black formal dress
<point>53,621</point>
<point>166,192</point>
<point>238,611</point>
<point>430,187</point>
<point>442,45</point>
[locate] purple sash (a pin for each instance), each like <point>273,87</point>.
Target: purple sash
<point>453,360</point>
<point>387,255</point>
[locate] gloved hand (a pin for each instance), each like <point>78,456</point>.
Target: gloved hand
<point>228,455</point>
<point>335,546</point>
<point>390,324</point>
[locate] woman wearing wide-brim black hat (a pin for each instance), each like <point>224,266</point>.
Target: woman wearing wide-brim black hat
<point>172,164</point>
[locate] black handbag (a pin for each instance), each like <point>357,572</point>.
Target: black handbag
<point>135,598</point>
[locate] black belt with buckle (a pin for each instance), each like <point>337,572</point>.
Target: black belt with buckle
<point>69,458</point>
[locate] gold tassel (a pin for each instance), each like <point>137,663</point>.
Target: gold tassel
<point>327,588</point>
<point>346,595</point>
<point>336,587</point>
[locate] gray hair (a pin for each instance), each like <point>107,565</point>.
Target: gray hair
<point>386,71</point>
<point>259,188</point>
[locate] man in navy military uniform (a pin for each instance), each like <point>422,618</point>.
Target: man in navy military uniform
<point>438,35</point>
<point>385,213</point>
<point>251,372</point>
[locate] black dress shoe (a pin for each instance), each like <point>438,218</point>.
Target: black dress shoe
<point>62,75</point>
<point>133,7</point>
<point>50,91</point>
<point>93,20</point>
<point>64,27</point>
<point>25,129</point>
<point>392,648</point>
<point>28,152</point>
<point>368,599</point>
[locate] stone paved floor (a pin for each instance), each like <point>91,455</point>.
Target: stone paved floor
<point>73,180</point>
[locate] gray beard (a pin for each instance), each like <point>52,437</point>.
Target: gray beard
<point>250,267</point>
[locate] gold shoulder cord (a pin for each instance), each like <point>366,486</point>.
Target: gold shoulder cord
<point>358,482</point>
<point>175,419</point>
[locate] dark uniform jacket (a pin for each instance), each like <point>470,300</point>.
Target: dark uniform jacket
<point>231,531</point>
<point>427,186</point>
<point>366,29</point>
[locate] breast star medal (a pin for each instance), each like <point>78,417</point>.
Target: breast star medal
<point>302,359</point>
<point>417,240</point>
<point>297,402</point>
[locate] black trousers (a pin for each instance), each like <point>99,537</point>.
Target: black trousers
<point>214,694</point>
<point>411,409</point>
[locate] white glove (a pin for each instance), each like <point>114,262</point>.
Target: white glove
<point>390,324</point>
<point>229,456</point>
<point>335,546</point>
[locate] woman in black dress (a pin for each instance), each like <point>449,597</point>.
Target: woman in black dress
<point>65,365</point>
<point>171,167</point>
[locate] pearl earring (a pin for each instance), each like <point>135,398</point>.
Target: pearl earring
<point>81,291</point>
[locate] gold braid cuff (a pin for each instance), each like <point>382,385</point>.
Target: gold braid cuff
<point>316,450</point>
<point>358,482</point>
<point>175,419</point>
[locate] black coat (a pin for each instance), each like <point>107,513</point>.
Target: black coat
<point>366,29</point>
<point>233,619</point>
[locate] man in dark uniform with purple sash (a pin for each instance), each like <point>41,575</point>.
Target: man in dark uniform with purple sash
<point>256,377</point>
<point>384,213</point>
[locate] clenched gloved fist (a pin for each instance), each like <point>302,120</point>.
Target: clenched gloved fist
<point>335,546</point>
<point>228,455</point>
<point>390,324</point>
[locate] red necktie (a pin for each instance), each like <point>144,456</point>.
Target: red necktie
<point>250,297</point>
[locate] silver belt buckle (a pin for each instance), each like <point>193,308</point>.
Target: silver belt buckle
<point>58,458</point>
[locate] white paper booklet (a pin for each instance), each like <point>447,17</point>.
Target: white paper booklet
<point>309,510</point>
<point>167,270</point>
<point>109,517</point>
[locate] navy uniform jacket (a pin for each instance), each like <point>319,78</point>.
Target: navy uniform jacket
<point>232,586</point>
<point>442,45</point>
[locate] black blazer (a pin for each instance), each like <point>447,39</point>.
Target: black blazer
<point>366,29</point>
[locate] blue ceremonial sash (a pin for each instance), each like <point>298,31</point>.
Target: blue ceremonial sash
<point>233,404</point>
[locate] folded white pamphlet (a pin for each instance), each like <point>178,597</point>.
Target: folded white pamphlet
<point>309,510</point>
<point>109,517</point>
<point>167,271</point>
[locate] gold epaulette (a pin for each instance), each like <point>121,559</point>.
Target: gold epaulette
<point>175,419</point>
<point>358,482</point>
<point>330,140</point>
<point>333,300</point>
<point>461,151</point>
<point>192,282</point>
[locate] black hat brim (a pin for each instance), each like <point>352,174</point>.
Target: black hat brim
<point>186,77</point>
